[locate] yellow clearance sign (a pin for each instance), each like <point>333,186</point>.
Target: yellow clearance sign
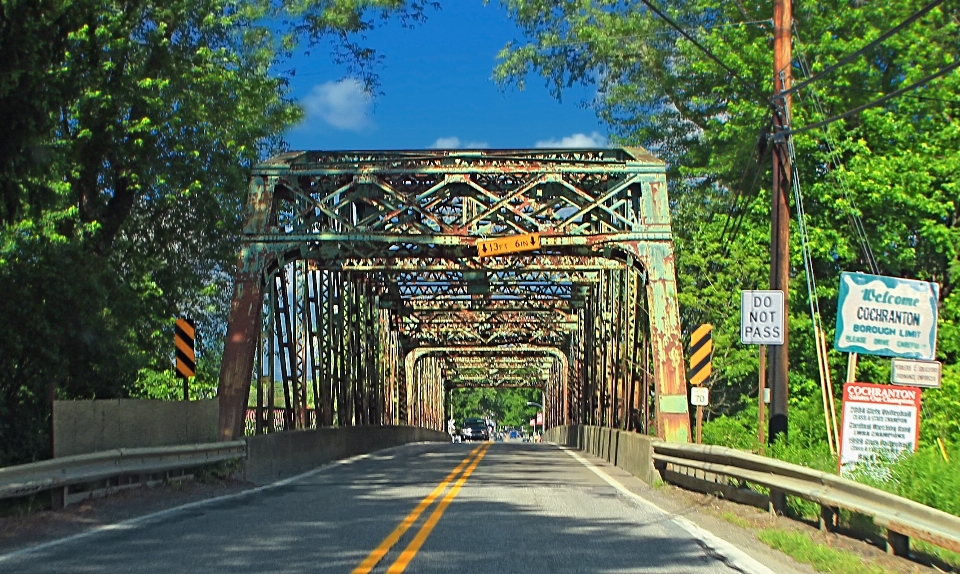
<point>701,354</point>
<point>511,244</point>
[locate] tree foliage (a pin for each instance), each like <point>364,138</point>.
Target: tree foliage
<point>892,167</point>
<point>128,129</point>
<point>508,407</point>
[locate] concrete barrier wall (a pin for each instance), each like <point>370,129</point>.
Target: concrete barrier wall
<point>81,427</point>
<point>274,456</point>
<point>630,451</point>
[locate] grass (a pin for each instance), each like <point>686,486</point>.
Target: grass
<point>217,472</point>
<point>821,557</point>
<point>734,519</point>
<point>945,556</point>
<point>25,505</point>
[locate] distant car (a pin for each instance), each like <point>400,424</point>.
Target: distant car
<point>514,434</point>
<point>475,429</point>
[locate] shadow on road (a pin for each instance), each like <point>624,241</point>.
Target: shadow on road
<point>526,508</point>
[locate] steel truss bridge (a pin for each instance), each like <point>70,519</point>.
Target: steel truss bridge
<point>360,297</point>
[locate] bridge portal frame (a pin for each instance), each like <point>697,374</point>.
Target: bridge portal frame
<point>341,207</point>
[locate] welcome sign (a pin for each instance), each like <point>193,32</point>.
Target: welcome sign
<point>887,316</point>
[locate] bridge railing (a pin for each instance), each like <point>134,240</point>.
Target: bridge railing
<point>727,472</point>
<point>265,458</point>
<point>116,468</point>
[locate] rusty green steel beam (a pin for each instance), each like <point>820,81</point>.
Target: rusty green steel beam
<point>552,263</point>
<point>465,162</point>
<point>653,232</point>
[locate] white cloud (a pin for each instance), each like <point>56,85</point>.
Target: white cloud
<point>595,139</point>
<point>455,143</point>
<point>342,104</point>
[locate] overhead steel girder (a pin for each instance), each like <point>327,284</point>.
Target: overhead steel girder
<point>436,205</point>
<point>494,277</point>
<point>427,319</point>
<point>519,264</point>
<point>549,306</point>
<point>502,336</point>
<point>467,325</point>
<point>540,376</point>
<point>438,291</point>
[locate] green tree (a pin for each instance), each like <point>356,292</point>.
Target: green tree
<point>506,406</point>
<point>128,129</point>
<point>892,167</point>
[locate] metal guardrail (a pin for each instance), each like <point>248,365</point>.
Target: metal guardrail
<point>26,479</point>
<point>901,517</point>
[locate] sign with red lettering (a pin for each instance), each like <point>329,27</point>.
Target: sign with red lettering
<point>878,420</point>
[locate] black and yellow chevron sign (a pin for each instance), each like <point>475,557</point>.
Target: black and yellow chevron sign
<point>701,354</point>
<point>183,335</point>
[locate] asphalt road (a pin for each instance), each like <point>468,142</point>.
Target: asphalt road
<point>508,507</point>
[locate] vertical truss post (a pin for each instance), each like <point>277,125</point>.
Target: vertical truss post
<point>577,404</point>
<point>403,386</point>
<point>286,341</point>
<point>625,344</point>
<point>243,328</point>
<point>372,346</point>
<point>671,412</point>
<point>258,377</point>
<point>324,398</point>
<point>302,322</point>
<point>314,343</point>
<point>590,390</point>
<point>271,362</point>
<point>636,344</point>
<point>340,352</point>
<point>356,354</point>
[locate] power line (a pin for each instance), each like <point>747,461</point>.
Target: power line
<point>941,72</point>
<point>763,152</point>
<point>706,51</point>
<point>914,17</point>
<point>852,215</point>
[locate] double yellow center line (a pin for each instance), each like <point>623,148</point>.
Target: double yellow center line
<point>410,551</point>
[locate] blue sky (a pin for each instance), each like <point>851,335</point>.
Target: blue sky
<point>437,92</point>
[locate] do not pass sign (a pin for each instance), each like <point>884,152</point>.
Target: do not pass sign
<point>761,317</point>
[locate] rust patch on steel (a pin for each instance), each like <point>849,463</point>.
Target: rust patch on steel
<point>239,349</point>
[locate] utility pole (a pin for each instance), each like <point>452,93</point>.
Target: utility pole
<point>780,212</point>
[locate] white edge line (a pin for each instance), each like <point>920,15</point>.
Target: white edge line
<point>732,555</point>
<point>137,521</point>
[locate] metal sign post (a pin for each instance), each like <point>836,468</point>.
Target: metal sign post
<point>761,398</point>
<point>762,322</point>
<point>699,397</point>
<point>701,367</point>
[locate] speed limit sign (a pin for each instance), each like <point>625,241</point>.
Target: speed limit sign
<point>699,396</point>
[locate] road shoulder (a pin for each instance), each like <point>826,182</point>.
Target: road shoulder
<point>739,524</point>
